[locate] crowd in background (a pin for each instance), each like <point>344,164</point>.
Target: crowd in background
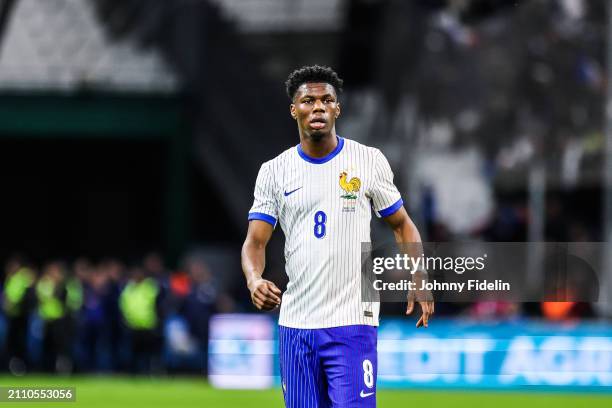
<point>108,316</point>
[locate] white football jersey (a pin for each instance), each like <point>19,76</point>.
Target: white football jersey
<point>324,207</point>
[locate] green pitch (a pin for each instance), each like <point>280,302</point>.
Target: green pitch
<point>118,392</point>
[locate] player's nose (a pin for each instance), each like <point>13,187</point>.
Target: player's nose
<point>318,106</point>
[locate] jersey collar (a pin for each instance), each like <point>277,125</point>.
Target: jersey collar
<point>325,159</point>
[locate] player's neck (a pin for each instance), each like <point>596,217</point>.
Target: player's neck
<point>321,147</point>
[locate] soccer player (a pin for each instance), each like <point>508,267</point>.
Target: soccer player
<point>321,192</point>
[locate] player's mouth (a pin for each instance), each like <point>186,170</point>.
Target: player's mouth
<point>318,123</point>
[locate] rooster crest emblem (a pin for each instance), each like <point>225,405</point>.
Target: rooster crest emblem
<point>349,186</point>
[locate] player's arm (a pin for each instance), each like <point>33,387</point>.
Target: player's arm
<point>264,294</point>
<point>405,233</point>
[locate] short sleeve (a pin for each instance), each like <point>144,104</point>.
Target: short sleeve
<point>386,199</point>
<point>264,205</point>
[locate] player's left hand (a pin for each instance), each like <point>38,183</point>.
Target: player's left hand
<point>427,307</point>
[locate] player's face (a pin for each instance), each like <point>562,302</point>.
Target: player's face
<point>315,108</point>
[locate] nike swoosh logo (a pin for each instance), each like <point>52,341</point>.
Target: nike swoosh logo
<point>291,192</point>
<point>363,394</point>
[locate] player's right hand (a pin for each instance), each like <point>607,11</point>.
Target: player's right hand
<point>264,294</point>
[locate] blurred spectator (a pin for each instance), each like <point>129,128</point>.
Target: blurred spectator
<point>58,297</point>
<point>82,268</point>
<point>94,321</point>
<point>17,304</point>
<point>114,271</point>
<point>139,303</point>
<point>204,299</point>
<point>154,267</point>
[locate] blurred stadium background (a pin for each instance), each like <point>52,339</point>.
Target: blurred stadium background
<point>131,132</point>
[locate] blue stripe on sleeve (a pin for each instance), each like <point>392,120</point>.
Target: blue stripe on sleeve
<point>391,210</point>
<point>262,217</point>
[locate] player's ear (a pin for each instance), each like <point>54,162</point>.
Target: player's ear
<point>338,110</point>
<point>292,111</point>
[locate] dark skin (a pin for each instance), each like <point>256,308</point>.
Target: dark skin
<point>315,108</point>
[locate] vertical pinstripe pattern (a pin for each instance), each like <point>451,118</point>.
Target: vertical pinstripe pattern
<point>325,273</point>
<point>303,382</point>
<point>265,202</point>
<point>325,367</point>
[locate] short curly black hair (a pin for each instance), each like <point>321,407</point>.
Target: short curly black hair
<point>312,73</point>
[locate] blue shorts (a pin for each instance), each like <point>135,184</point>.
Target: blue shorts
<point>334,367</point>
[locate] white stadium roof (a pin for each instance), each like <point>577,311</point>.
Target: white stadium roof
<point>284,15</point>
<point>61,45</point>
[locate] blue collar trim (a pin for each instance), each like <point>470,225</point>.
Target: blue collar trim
<point>315,160</point>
